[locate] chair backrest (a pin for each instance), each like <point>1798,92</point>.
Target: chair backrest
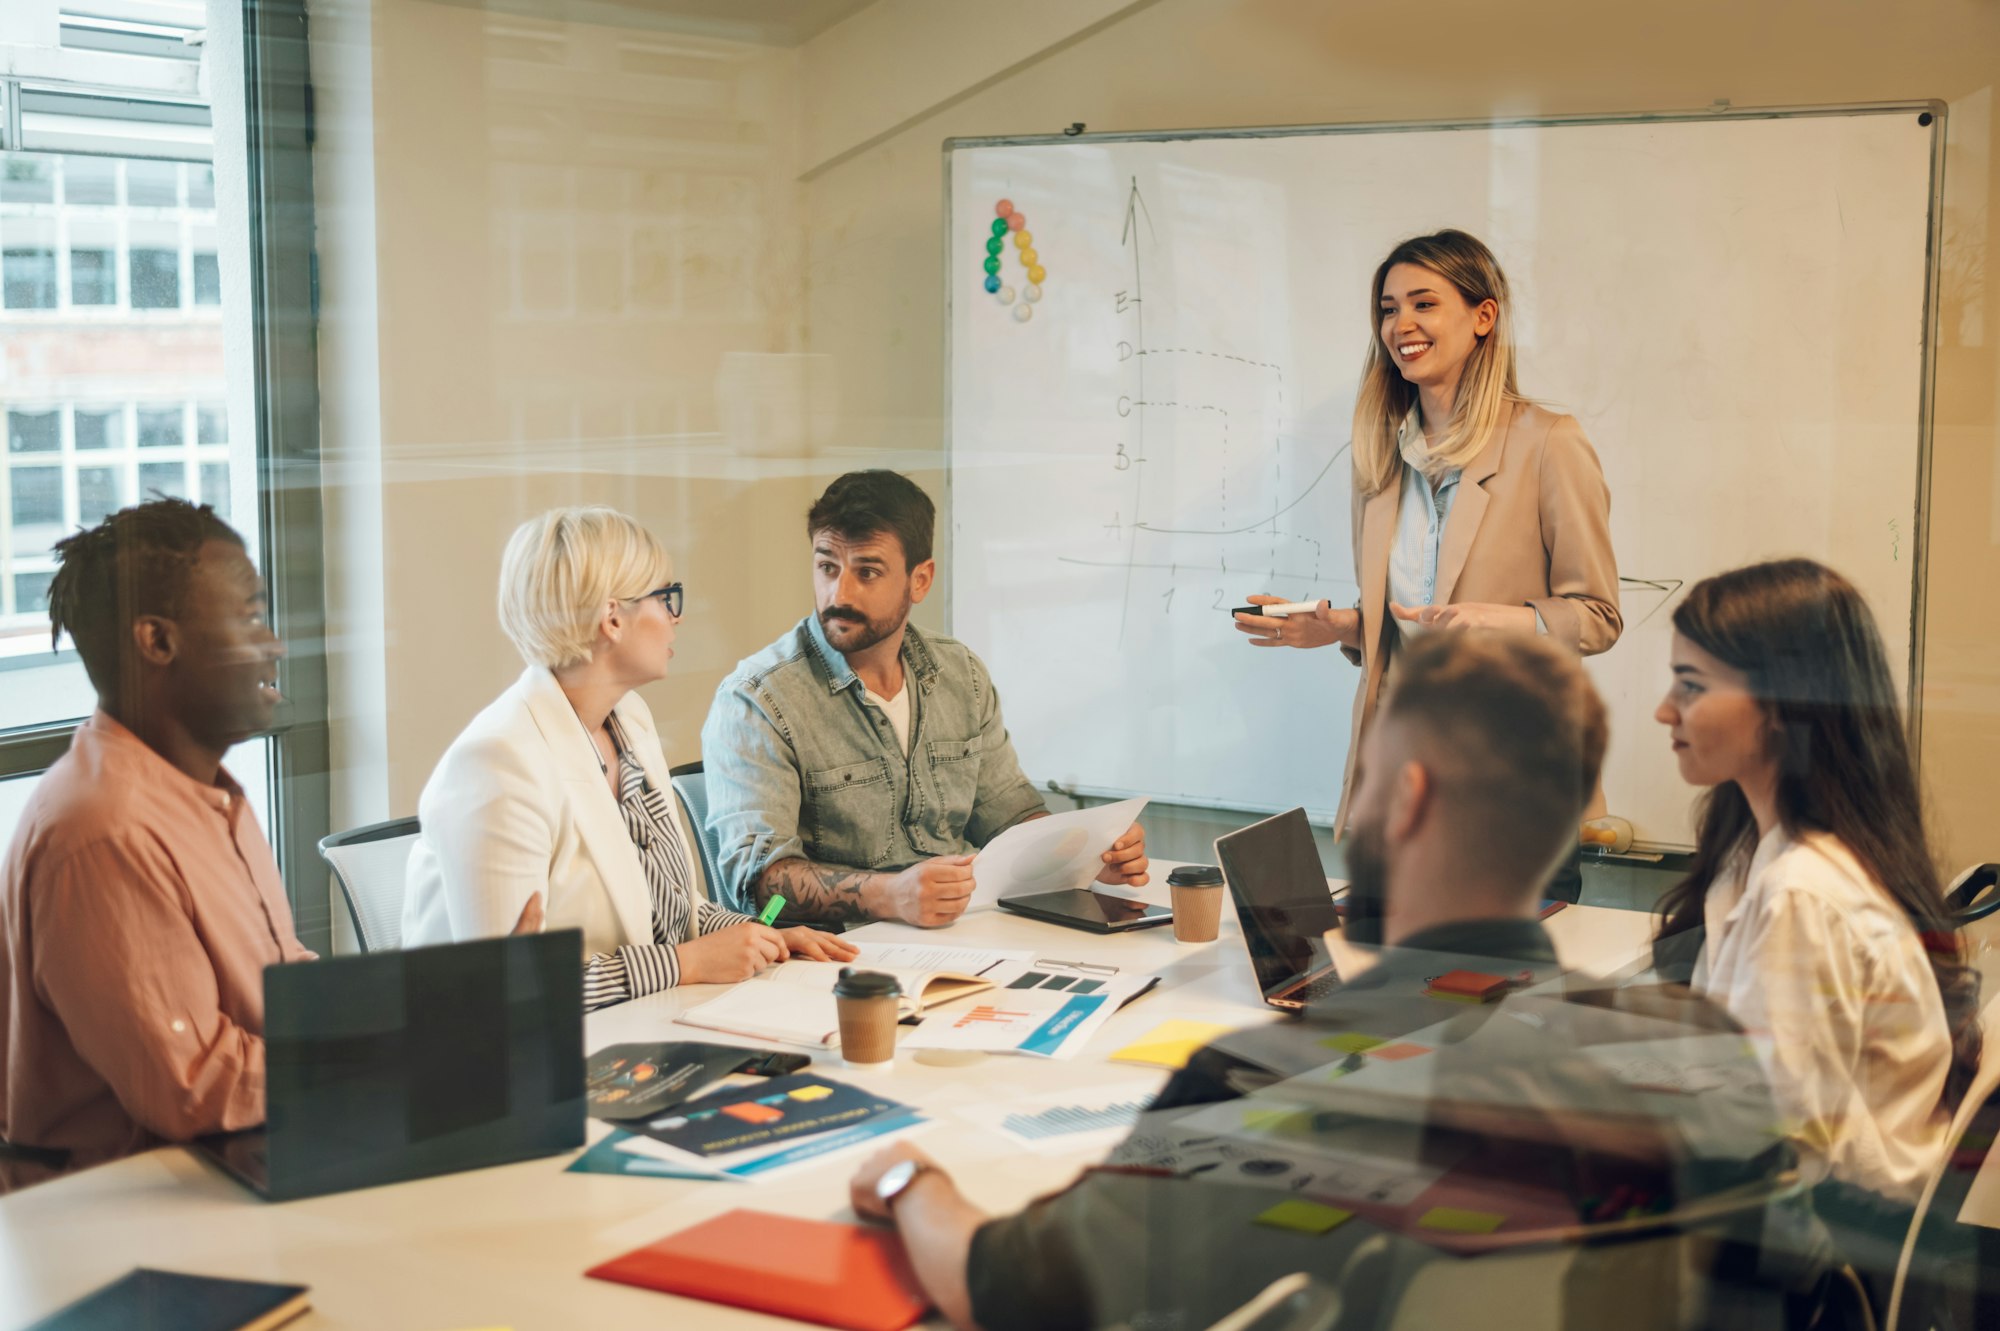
<point>1974,894</point>
<point>1972,1135</point>
<point>692,787</point>
<point>1645,1273</point>
<point>368,864</point>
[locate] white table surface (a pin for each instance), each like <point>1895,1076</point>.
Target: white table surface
<point>507,1247</point>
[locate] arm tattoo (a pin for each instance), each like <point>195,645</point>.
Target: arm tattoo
<point>822,893</point>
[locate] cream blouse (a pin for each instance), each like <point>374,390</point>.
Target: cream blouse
<point>1828,975</point>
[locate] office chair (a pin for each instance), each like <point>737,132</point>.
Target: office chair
<point>692,787</point>
<point>1971,896</point>
<point>368,864</point>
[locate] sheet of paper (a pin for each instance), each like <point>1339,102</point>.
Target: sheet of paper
<point>1045,1023</point>
<point>903,960</point>
<point>1050,854</point>
<point>1171,1044</point>
<point>1092,1119</point>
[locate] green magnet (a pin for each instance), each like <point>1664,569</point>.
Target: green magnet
<point>992,263</point>
<point>999,226</point>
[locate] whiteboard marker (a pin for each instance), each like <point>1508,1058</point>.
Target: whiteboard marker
<point>1280,611</point>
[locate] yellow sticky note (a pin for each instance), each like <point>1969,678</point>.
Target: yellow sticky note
<point>1304,1217</point>
<point>1170,1044</point>
<point>812,1093</point>
<point>1455,1221</point>
<point>1350,1042</point>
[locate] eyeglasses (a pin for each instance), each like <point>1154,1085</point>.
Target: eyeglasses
<point>669,596</point>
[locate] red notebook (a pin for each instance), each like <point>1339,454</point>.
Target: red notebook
<point>812,1270</point>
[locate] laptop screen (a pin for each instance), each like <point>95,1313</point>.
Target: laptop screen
<point>1282,897</point>
<point>397,1065</point>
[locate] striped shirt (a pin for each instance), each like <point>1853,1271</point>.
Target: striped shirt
<point>637,969</point>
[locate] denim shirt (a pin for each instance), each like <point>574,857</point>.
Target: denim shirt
<point>798,764</point>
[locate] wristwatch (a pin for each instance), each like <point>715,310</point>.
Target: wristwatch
<point>896,1181</point>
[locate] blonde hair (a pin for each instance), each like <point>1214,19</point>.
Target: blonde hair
<point>558,571</point>
<point>1486,389</point>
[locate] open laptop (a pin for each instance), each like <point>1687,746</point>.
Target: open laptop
<point>1285,906</point>
<point>399,1065</point>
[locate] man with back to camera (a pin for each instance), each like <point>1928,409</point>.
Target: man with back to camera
<point>141,902</point>
<point>855,765</point>
<point>1471,785</point>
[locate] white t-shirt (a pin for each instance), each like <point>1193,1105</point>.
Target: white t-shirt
<point>1829,977</point>
<point>897,709</point>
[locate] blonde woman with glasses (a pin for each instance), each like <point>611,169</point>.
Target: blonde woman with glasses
<point>555,801</point>
<point>1473,507</point>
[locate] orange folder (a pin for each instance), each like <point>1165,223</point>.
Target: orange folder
<point>812,1270</point>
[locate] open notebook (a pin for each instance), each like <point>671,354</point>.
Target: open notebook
<point>794,1004</point>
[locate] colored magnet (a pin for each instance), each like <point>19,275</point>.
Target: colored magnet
<point>1006,294</point>
<point>994,245</point>
<point>1023,239</point>
<point>1031,292</point>
<point>992,263</point>
<point>1023,312</point>
<point>1015,221</point>
<point>1028,257</point>
<point>1038,274</point>
<point>992,282</point>
<point>1002,208</point>
<point>1000,226</point>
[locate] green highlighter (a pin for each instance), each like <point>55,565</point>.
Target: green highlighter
<point>771,908</point>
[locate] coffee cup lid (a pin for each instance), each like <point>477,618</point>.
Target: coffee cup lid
<point>865,984</point>
<point>1195,875</point>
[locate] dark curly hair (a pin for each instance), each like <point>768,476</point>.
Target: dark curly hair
<point>862,504</point>
<point>135,562</point>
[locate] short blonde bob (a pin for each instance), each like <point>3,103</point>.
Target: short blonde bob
<point>1486,389</point>
<point>561,569</point>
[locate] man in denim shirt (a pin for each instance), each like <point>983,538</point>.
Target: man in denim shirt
<point>854,764</point>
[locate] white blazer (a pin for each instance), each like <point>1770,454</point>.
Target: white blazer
<point>519,805</point>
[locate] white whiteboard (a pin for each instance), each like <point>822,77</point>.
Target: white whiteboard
<point>1734,307</point>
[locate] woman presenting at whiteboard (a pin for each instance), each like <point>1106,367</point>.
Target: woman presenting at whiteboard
<point>1473,507</point>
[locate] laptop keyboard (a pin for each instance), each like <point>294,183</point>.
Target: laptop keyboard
<point>1318,987</point>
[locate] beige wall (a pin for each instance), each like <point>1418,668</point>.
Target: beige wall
<point>874,263</point>
<point>560,264</point>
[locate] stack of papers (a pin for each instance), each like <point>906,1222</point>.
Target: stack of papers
<point>1030,1016</point>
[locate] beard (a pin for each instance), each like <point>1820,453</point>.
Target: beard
<point>862,631</point>
<point>1367,881</point>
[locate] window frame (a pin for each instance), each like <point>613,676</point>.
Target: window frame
<point>284,350</point>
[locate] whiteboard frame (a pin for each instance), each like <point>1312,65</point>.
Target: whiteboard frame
<point>1927,372</point>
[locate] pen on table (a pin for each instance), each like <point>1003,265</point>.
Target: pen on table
<point>1280,611</point>
<point>771,908</point>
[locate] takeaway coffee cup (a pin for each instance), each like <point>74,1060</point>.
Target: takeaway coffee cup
<point>1197,893</point>
<point>868,1015</point>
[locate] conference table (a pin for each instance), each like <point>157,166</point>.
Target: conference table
<point>507,1247</point>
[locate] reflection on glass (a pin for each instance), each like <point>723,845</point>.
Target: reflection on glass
<point>98,429</point>
<point>156,279</point>
<point>28,180</point>
<point>33,432</point>
<point>93,277</point>
<point>159,427</point>
<point>97,494</point>
<point>28,278</point>
<point>89,181</point>
<point>161,480</point>
<point>153,184</point>
<point>207,280</point>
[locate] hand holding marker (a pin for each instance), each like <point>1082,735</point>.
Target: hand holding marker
<point>1006,221</point>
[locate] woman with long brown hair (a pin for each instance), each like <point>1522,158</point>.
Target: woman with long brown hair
<point>1814,897</point>
<point>1473,506</point>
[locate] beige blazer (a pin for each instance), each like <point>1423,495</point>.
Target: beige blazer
<point>518,805</point>
<point>1531,525</point>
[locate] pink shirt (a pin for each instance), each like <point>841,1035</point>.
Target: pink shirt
<point>137,913</point>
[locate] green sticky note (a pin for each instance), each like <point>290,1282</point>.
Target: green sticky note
<point>1304,1217</point>
<point>1351,1043</point>
<point>1455,1221</point>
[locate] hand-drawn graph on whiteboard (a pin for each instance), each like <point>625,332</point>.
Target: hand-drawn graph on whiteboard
<point>1167,432</point>
<point>1129,465</point>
